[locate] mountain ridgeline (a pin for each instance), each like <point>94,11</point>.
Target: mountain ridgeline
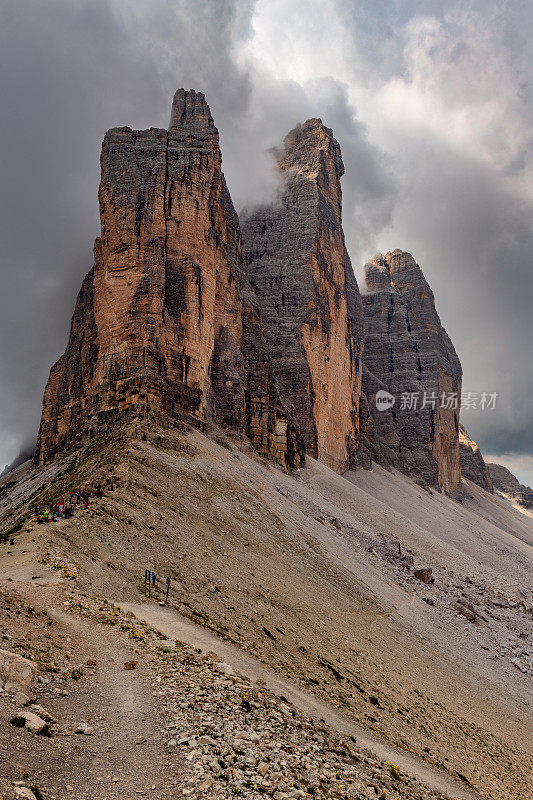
<point>258,326</point>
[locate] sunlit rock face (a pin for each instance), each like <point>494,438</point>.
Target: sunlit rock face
<point>166,320</point>
<point>473,464</point>
<point>409,354</point>
<point>298,264</point>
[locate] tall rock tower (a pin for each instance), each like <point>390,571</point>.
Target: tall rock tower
<point>408,352</point>
<point>166,320</point>
<point>298,264</point>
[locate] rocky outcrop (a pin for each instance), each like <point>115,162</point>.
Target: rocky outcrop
<point>508,484</point>
<point>166,321</point>
<point>409,355</point>
<point>298,264</point>
<point>16,672</point>
<point>473,464</point>
<point>184,317</point>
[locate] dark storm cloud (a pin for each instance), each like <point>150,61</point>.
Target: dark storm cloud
<point>430,101</point>
<point>460,132</point>
<point>70,70</point>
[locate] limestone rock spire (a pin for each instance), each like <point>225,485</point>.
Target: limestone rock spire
<point>298,264</point>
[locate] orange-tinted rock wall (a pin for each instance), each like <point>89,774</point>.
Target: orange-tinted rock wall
<point>298,264</point>
<point>166,320</point>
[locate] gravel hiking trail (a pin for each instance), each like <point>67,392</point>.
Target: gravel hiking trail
<point>124,755</point>
<point>175,626</point>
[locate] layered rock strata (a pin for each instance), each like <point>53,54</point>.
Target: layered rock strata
<point>298,264</point>
<point>505,482</point>
<point>263,332</point>
<point>409,355</point>
<point>473,464</point>
<point>166,321</point>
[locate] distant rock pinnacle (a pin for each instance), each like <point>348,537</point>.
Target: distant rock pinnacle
<point>263,332</point>
<point>407,351</point>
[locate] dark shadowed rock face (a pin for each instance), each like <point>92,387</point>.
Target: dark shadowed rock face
<point>407,351</point>
<point>507,483</point>
<point>379,439</point>
<point>473,464</point>
<point>298,264</point>
<point>166,321</point>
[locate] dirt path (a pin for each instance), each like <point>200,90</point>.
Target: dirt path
<point>124,757</point>
<point>175,626</point>
<point>127,723</point>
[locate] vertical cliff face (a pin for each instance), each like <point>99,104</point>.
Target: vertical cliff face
<point>170,242</point>
<point>409,354</point>
<point>71,395</point>
<point>262,332</point>
<point>473,464</point>
<point>298,264</point>
<point>165,321</point>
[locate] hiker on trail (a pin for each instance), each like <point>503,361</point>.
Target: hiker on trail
<point>153,578</point>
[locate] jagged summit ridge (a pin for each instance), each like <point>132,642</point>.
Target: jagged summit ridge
<point>262,331</point>
<point>308,145</point>
<point>408,352</point>
<point>298,264</point>
<point>190,108</point>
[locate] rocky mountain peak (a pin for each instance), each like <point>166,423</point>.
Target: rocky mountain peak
<point>310,147</point>
<point>299,267</point>
<point>409,355</point>
<point>164,322</point>
<point>189,108</point>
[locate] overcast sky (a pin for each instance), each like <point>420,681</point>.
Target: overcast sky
<point>431,102</point>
